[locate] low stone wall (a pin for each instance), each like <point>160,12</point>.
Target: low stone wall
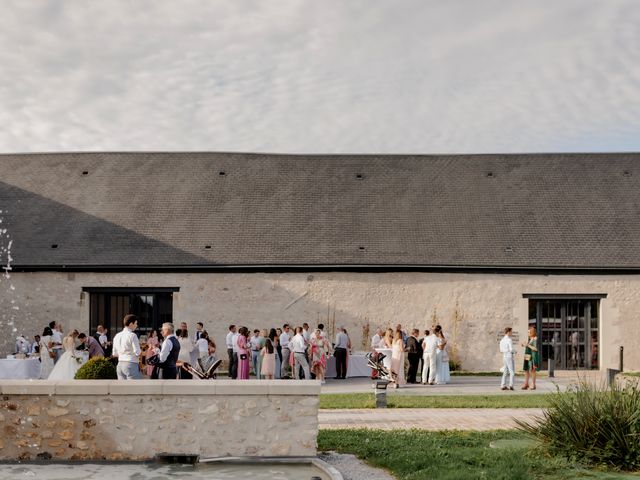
<point>136,420</point>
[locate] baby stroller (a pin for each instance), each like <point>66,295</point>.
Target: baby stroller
<point>374,360</point>
<point>203,372</point>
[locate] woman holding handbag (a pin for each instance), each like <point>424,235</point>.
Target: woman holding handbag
<point>531,359</point>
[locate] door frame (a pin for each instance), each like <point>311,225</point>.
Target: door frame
<point>562,363</point>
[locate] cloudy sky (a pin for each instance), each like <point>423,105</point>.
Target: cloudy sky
<point>331,76</point>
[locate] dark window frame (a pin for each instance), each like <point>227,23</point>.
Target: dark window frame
<point>564,303</point>
<point>103,301</point>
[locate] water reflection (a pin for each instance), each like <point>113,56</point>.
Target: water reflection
<point>159,472</point>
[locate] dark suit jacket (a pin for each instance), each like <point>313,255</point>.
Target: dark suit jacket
<point>413,346</point>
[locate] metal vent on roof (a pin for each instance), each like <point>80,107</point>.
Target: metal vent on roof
<point>207,247</point>
<point>359,176</point>
<point>626,173</point>
<point>222,173</point>
<point>54,245</point>
<point>361,248</point>
<point>86,172</point>
<point>508,249</point>
<point>490,174</point>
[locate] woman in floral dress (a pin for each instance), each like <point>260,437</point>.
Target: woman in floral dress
<point>319,351</point>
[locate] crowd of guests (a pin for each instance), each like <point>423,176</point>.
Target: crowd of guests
<point>430,350</point>
<point>59,354</point>
<point>276,353</point>
<point>285,352</point>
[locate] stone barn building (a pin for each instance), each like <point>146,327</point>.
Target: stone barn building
<point>473,242</point>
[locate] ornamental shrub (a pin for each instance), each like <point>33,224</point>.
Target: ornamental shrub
<point>598,426</point>
<point>97,368</point>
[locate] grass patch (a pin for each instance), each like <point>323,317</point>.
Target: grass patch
<point>367,400</point>
<point>416,454</point>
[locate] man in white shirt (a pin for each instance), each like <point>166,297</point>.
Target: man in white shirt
<point>305,332</point>
<point>127,348</point>
<point>299,348</point>
<point>256,346</point>
<point>56,339</point>
<point>233,360</point>
<point>506,348</point>
<point>199,330</point>
<point>429,350</point>
<point>377,338</point>
<point>284,346</point>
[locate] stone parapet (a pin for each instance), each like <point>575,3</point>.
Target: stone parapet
<point>136,420</point>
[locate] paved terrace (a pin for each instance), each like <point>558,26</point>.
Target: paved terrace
<point>442,418</point>
<point>465,385</point>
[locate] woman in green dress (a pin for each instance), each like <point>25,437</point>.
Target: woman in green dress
<point>531,359</point>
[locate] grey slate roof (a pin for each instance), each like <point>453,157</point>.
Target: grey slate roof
<point>164,209</point>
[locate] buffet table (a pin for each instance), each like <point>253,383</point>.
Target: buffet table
<point>356,366</point>
<point>14,368</point>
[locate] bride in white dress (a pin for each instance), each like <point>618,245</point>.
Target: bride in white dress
<point>68,365</point>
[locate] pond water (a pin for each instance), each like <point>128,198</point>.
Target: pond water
<point>210,471</point>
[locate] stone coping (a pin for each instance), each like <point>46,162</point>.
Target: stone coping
<point>160,387</point>
<point>327,469</point>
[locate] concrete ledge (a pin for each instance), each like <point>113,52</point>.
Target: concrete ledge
<point>138,387</point>
<point>327,469</point>
<point>86,387</point>
<point>27,387</point>
<point>188,387</point>
<point>160,387</point>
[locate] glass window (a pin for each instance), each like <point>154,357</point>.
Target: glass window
<point>110,308</point>
<point>568,332</point>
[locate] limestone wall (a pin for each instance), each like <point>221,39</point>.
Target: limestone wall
<point>472,308</point>
<point>135,420</point>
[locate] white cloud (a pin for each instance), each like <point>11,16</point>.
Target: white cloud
<point>303,76</point>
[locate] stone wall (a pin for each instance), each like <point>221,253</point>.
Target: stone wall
<point>135,420</point>
<point>472,308</point>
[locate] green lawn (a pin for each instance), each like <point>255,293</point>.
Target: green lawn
<point>367,400</point>
<point>416,454</point>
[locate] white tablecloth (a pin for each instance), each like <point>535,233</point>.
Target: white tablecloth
<point>356,366</point>
<point>17,369</point>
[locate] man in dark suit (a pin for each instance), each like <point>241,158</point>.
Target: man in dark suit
<point>414,351</point>
<point>169,353</point>
<point>199,331</point>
